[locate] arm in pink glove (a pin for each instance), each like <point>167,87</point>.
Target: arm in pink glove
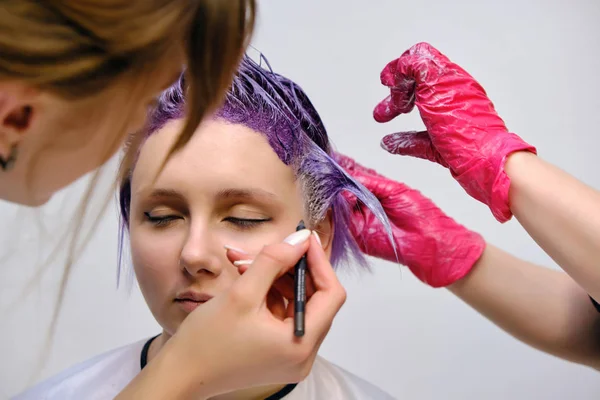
<point>466,135</point>
<point>541,307</point>
<point>437,249</point>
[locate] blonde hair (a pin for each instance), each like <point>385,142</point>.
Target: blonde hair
<point>77,48</point>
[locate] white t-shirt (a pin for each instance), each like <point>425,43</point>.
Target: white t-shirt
<point>104,376</point>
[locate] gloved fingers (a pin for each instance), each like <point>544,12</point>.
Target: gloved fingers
<point>413,144</point>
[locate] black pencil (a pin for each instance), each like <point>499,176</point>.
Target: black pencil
<point>300,291</point>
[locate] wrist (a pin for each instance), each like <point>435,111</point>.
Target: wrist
<point>170,375</point>
<point>465,283</point>
<point>508,177</point>
<point>516,163</point>
<point>517,167</point>
<point>189,378</point>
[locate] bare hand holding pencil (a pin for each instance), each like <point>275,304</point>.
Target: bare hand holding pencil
<point>283,297</point>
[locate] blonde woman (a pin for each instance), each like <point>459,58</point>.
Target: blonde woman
<point>75,78</point>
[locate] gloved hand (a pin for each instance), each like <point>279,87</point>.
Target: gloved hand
<point>464,132</point>
<point>437,249</point>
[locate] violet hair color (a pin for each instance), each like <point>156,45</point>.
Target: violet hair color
<point>278,108</point>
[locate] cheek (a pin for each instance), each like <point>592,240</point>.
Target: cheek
<point>105,129</point>
<point>252,241</point>
<point>156,264</point>
<point>79,150</point>
<point>138,117</point>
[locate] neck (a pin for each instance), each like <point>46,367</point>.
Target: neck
<point>255,393</point>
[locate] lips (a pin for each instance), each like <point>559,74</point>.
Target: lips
<point>193,296</point>
<point>189,300</point>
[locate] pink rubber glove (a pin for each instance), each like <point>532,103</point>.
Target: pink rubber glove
<point>437,249</point>
<point>464,132</point>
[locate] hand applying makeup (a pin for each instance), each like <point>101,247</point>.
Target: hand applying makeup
<point>464,132</point>
<point>265,348</point>
<point>280,299</point>
<point>437,249</point>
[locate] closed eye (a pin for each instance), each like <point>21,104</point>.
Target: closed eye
<point>246,223</point>
<point>161,220</point>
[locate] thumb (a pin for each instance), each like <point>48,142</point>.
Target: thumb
<point>269,264</point>
<point>413,144</point>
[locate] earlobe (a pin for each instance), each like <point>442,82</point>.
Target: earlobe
<point>16,114</point>
<point>7,162</point>
<point>12,128</point>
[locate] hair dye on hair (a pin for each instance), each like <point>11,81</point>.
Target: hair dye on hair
<point>279,109</point>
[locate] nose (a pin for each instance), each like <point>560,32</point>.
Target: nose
<point>199,254</point>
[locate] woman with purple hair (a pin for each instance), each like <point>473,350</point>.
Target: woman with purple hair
<point>255,168</point>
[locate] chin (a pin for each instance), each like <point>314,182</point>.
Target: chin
<point>38,201</point>
<point>28,201</point>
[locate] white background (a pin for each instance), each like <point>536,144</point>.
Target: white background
<point>538,60</point>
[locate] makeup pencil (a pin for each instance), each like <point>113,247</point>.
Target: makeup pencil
<point>300,291</point>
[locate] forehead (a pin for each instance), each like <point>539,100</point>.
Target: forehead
<point>218,154</point>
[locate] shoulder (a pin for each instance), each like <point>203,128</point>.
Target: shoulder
<point>101,377</point>
<point>329,381</point>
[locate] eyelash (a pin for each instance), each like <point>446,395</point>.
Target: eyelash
<point>161,221</point>
<point>241,223</point>
<point>246,223</point>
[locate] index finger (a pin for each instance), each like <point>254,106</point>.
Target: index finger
<point>272,262</point>
<point>330,295</point>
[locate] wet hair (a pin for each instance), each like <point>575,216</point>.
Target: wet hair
<point>279,109</point>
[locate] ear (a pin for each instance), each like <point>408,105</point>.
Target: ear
<point>16,114</point>
<point>325,231</point>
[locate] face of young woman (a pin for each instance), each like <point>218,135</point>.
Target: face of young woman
<point>225,187</point>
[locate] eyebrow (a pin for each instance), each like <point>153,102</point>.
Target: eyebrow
<point>246,194</point>
<point>158,193</point>
<point>225,194</point>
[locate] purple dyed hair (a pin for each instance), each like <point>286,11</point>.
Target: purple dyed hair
<point>278,108</point>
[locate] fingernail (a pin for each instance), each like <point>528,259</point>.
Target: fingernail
<point>228,247</point>
<point>239,263</point>
<point>316,235</point>
<point>298,237</point>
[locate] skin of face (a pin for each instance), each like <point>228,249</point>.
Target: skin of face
<point>226,187</point>
<point>59,140</point>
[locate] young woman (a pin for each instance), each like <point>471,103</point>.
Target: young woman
<point>75,78</point>
<point>253,170</point>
